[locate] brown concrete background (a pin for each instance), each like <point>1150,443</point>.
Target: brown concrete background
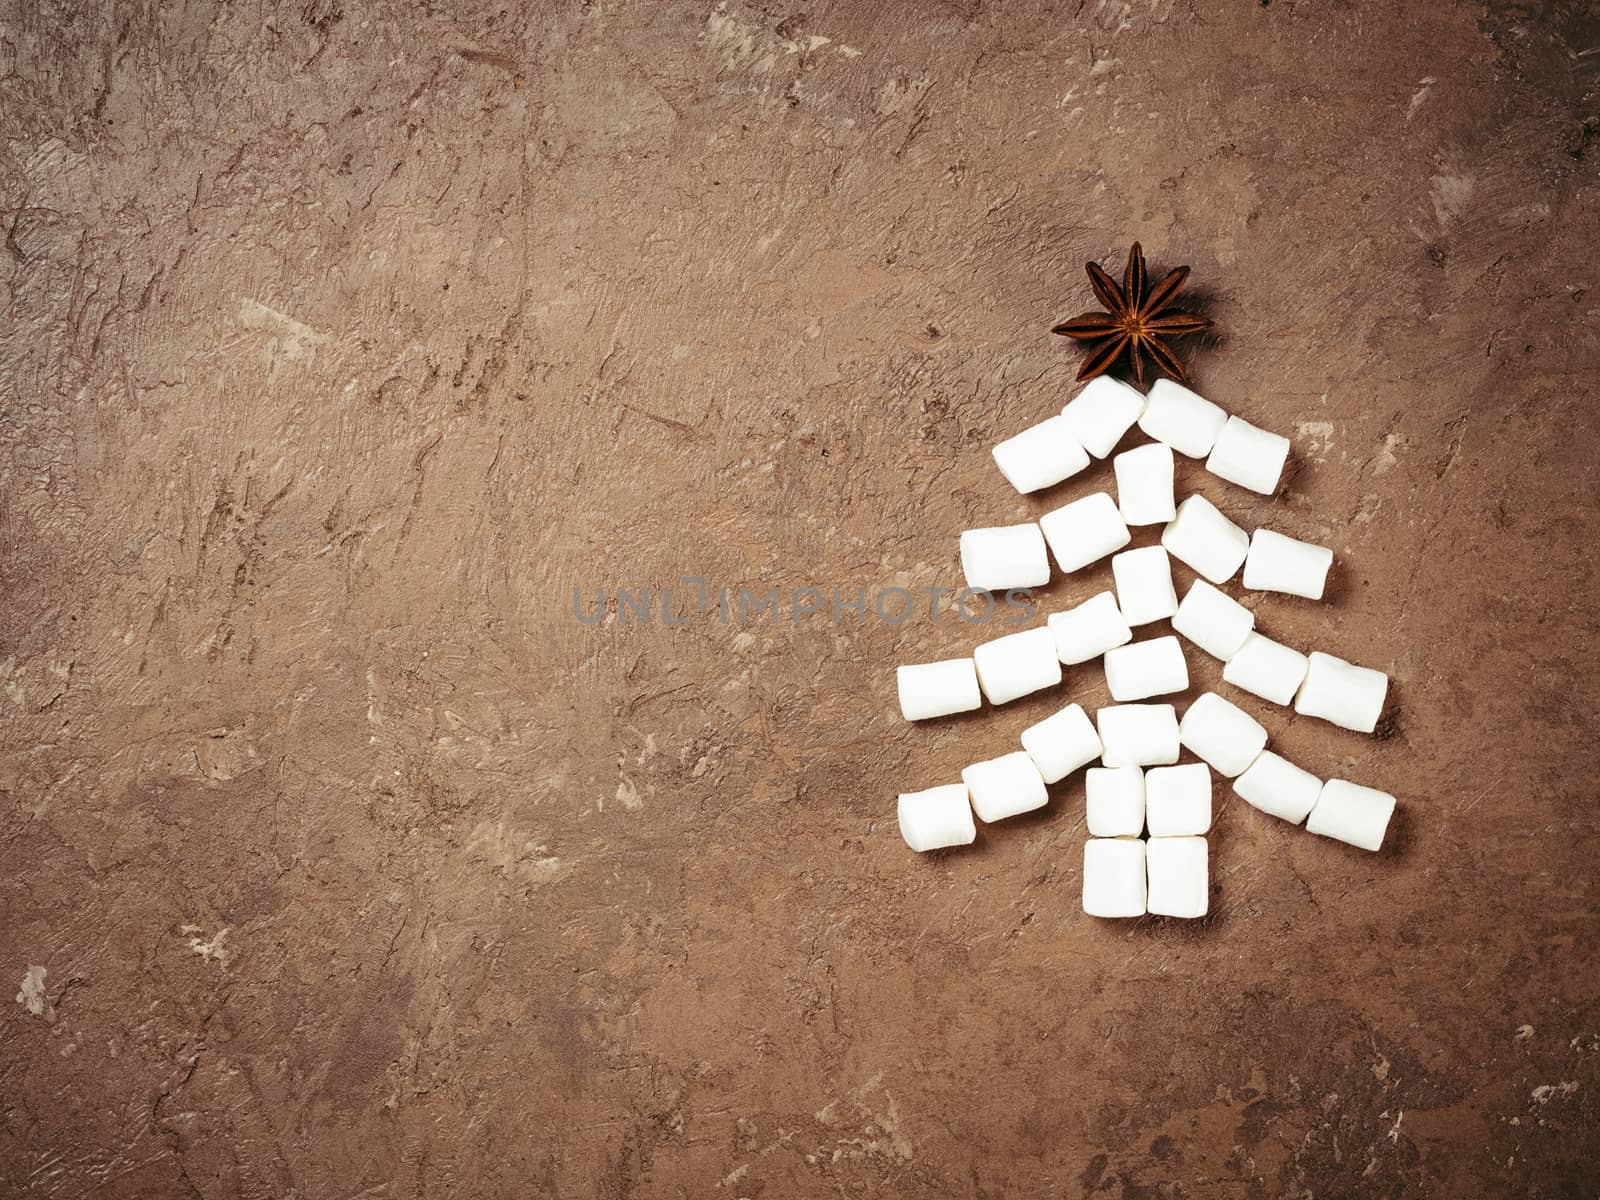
<point>341,342</point>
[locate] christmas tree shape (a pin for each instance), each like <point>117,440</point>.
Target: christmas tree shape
<point>1147,814</point>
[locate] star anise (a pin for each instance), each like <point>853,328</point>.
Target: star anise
<point>1134,320</point>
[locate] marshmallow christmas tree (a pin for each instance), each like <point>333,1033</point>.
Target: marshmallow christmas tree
<point>1147,813</point>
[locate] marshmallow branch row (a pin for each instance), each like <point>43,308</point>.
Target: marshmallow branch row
<point>1197,534</point>
<point>1018,664</point>
<point>1127,739</point>
<point>1000,787</point>
<point>1094,421</point>
<point>1318,685</point>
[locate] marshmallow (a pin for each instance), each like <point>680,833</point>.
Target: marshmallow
<point>1352,813</point>
<point>1223,734</point>
<point>1113,801</point>
<point>1213,620</point>
<point>938,817</point>
<point>1144,484</point>
<point>1113,876</point>
<point>1011,556</point>
<point>1017,664</point>
<point>1088,630</point>
<point>1177,800</point>
<point>1341,692</point>
<point>1005,786</point>
<point>1180,884</point>
<point>1279,788</point>
<point>1283,564</point>
<point>1250,457</point>
<point>1267,669</point>
<point>1144,669</point>
<point>1059,745</point>
<point>1041,456</point>
<point>1085,530</point>
<point>1102,412</point>
<point>1138,735</point>
<point>1202,538</point>
<point>938,689</point>
<point>1184,420</point>
<point>1144,585</point>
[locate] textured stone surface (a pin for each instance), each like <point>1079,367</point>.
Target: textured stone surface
<point>340,344</point>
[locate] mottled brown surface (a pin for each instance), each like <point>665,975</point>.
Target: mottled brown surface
<point>340,344</point>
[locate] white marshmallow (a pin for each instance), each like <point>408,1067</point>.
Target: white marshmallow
<point>1250,457</point>
<point>1113,801</point>
<point>1088,630</point>
<point>1084,531</point>
<point>1138,735</point>
<point>1113,876</point>
<point>1102,412</point>
<point>1284,564</point>
<point>1144,585</point>
<point>1005,786</point>
<point>1201,537</point>
<point>937,689</point>
<point>1267,669</point>
<point>938,817</point>
<point>1213,620</point>
<point>1151,668</point>
<point>1041,456</point>
<point>1180,882</point>
<point>1223,734</point>
<point>1279,788</point>
<point>1183,419</point>
<point>1017,664</point>
<point>1341,692</point>
<point>1059,745</point>
<point>1144,484</point>
<point>1352,813</point>
<point>1177,800</point>
<point>1010,556</point>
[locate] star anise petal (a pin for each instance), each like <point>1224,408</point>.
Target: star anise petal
<point>1089,326</point>
<point>1133,278</point>
<point>1175,321</point>
<point>1162,294</point>
<point>1102,358</point>
<point>1106,290</point>
<point>1164,359</point>
<point>1137,360</point>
